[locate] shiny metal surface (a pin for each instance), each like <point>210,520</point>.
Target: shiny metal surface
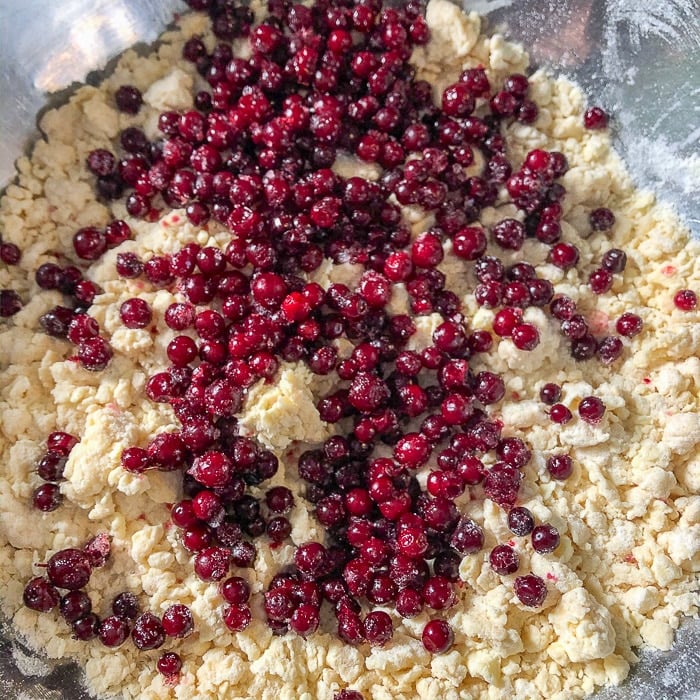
<point>45,47</point>
<point>638,58</point>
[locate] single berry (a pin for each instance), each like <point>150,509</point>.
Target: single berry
<point>595,118</point>
<point>69,568</point>
<point>504,559</point>
<point>545,538</point>
<point>550,393</point>
<point>437,636</point>
<point>685,300</point>
<point>591,409</point>
<point>169,664</point>
<point>602,219</point>
<point>128,99</point>
<point>560,414</point>
<point>41,595</point>
<point>531,590</point>
<point>560,466</point>
<point>629,325</point>
<point>520,521</point>
<point>177,621</point>
<point>113,631</point>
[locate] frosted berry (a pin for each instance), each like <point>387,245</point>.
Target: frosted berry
<point>113,631</point>
<point>504,559</point>
<point>520,521</point>
<point>125,605</point>
<point>40,595</point>
<point>560,466</point>
<point>148,632</point>
<point>591,409</point>
<point>545,539</point>
<point>377,628</point>
<point>685,300</point>
<point>629,325</point>
<point>531,590</point>
<point>177,621</point>
<point>169,664</point>
<point>595,118</point>
<point>69,568</point>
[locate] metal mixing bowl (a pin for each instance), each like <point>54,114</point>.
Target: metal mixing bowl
<point>640,59</point>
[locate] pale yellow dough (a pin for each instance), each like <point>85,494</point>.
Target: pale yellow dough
<point>629,517</point>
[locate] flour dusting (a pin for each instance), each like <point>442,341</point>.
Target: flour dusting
<point>483,7</point>
<point>664,163</point>
<point>28,663</point>
<point>660,39</point>
<point>673,20</point>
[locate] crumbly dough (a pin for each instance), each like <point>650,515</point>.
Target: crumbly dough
<point>629,517</point>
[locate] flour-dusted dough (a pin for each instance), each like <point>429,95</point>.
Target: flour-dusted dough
<point>629,517</point>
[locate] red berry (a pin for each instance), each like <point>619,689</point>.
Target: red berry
<point>41,595</point>
<point>629,325</point>
<point>177,621</point>
<point>520,521</point>
<point>169,664</point>
<point>564,255</point>
<point>602,219</point>
<point>437,636</point>
<point>560,466</point>
<point>560,414</point>
<point>531,590</point>
<point>113,631</point>
<point>237,617</point>
<point>377,628</point>
<point>595,118</point>
<point>685,300</point>
<point>69,568</point>
<point>545,539</point>
<point>591,409</point>
<point>525,336</point>
<point>504,559</point>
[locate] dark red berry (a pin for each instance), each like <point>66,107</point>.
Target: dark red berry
<point>531,590</point>
<point>545,538</point>
<point>685,300</point>
<point>75,605</point>
<point>89,243</point>
<point>591,409</point>
<point>128,99</point>
<point>113,631</point>
<point>125,605</point>
<point>550,393</point>
<point>560,466</point>
<point>602,219</point>
<point>47,497</point>
<point>69,568</point>
<point>595,118</point>
<point>169,664</point>
<point>177,621</point>
<point>437,636</point>
<point>504,559</point>
<point>377,628</point>
<point>86,627</point>
<point>520,521</point>
<point>40,595</point>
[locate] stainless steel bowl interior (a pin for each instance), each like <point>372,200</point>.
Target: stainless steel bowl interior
<point>641,60</point>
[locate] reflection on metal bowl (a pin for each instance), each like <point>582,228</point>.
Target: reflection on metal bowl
<point>640,59</point>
